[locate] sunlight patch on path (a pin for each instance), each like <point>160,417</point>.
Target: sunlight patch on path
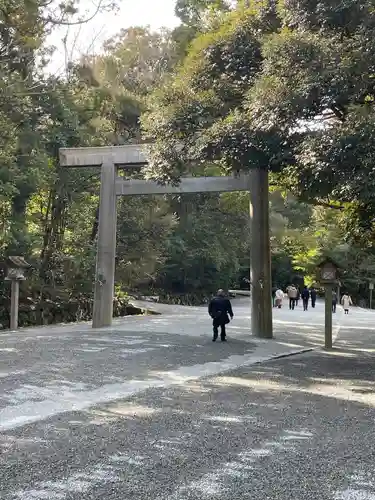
<point>63,398</point>
<point>219,481</point>
<point>361,487</point>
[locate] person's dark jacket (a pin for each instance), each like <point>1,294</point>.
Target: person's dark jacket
<point>305,294</point>
<point>313,294</point>
<point>219,308</point>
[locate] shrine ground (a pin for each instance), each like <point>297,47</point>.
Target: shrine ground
<point>152,409</point>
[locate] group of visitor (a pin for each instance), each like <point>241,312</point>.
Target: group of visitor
<point>221,312</point>
<point>294,295</point>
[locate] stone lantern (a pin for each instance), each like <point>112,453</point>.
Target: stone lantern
<point>16,267</point>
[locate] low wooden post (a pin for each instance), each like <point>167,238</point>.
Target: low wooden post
<point>328,277</point>
<point>328,317</point>
<point>14,304</point>
<point>16,267</point>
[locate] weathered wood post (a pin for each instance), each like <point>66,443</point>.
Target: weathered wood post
<point>14,304</point>
<point>260,255</point>
<point>328,316</point>
<point>106,253</point>
<point>328,277</point>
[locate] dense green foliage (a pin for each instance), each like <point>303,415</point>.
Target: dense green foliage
<point>286,86</point>
<point>279,84</point>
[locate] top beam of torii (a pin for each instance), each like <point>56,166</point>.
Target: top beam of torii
<point>127,155</point>
<point>135,155</point>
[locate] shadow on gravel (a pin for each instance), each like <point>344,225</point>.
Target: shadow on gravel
<point>292,429</point>
<point>334,373</point>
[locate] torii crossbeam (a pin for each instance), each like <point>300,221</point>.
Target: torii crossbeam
<point>110,158</point>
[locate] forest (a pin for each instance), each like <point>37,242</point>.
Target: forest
<point>277,83</point>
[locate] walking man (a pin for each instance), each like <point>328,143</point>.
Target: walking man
<point>313,296</point>
<point>305,297</point>
<point>292,294</point>
<point>218,309</point>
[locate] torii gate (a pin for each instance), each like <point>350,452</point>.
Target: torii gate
<point>110,158</point>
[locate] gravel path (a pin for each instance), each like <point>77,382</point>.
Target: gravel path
<point>144,412</point>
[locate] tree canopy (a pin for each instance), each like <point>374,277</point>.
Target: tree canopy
<point>282,85</point>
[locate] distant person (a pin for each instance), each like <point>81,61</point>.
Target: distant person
<point>279,297</point>
<point>305,298</point>
<point>313,296</point>
<point>274,288</point>
<point>346,302</point>
<point>292,294</point>
<point>334,301</point>
<point>219,308</point>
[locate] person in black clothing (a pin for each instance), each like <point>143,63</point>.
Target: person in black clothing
<point>313,296</point>
<point>218,309</point>
<point>305,298</point>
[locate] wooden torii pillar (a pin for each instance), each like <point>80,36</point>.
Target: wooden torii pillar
<point>110,158</point>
